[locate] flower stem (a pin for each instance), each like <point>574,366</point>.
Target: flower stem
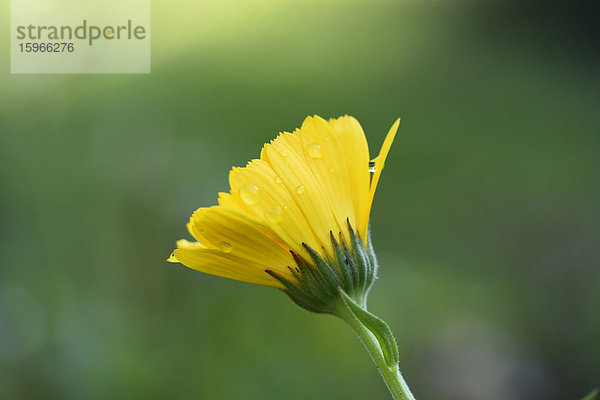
<point>389,370</point>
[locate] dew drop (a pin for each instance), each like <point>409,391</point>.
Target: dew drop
<point>225,247</point>
<point>249,194</point>
<point>274,216</point>
<point>314,151</point>
<point>372,166</point>
<point>300,189</point>
<point>284,153</point>
<point>278,179</point>
<point>332,169</point>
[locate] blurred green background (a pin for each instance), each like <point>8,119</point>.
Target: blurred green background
<point>486,221</point>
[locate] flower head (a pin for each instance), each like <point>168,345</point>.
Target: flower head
<point>297,218</point>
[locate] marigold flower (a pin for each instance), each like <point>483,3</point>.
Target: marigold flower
<point>306,186</point>
<point>298,219</point>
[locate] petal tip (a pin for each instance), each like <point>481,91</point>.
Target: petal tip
<point>172,258</point>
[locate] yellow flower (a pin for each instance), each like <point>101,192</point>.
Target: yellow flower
<point>307,188</point>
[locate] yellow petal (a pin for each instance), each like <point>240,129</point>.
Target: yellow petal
<point>353,144</point>
<point>270,201</point>
<point>226,265</point>
<point>184,244</point>
<point>243,244</point>
<point>286,156</point>
<point>239,234</point>
<point>380,163</point>
<point>328,163</point>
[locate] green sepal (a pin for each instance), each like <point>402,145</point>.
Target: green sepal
<point>329,274</point>
<point>343,266</point>
<point>298,296</point>
<point>377,326</point>
<point>362,263</point>
<point>317,278</point>
<point>372,260</point>
<point>351,263</point>
<point>310,276</point>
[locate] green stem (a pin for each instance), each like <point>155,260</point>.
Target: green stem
<point>391,373</point>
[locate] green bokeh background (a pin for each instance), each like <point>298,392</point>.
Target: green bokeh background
<point>486,221</point>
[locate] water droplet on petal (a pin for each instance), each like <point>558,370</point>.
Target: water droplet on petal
<point>274,216</point>
<point>249,194</point>
<point>314,151</point>
<point>225,247</point>
<point>284,153</point>
<point>327,138</point>
<point>300,189</point>
<point>332,168</point>
<point>278,179</point>
<point>372,166</point>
